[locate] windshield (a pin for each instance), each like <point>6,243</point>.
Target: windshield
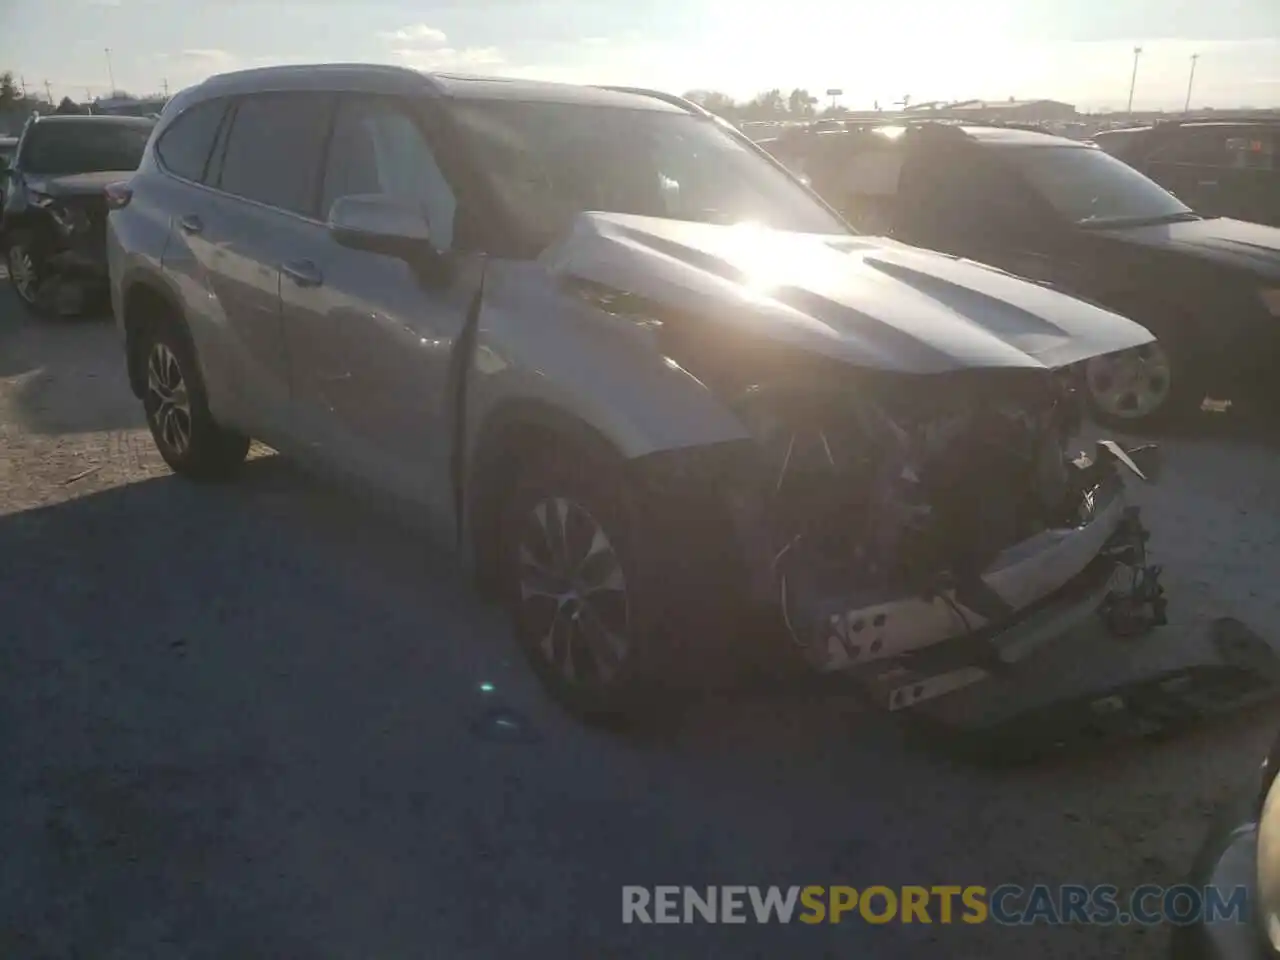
<point>549,162</point>
<point>59,148</point>
<point>1092,188</point>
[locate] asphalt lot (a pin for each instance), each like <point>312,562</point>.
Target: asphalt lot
<point>248,721</point>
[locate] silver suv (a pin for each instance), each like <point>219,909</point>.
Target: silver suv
<point>647,383</point>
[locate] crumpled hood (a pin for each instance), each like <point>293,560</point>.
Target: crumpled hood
<point>1233,243</point>
<point>77,184</point>
<point>869,301</point>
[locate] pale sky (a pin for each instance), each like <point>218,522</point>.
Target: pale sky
<point>1080,51</point>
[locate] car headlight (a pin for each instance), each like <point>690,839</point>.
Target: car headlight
<point>1271,300</point>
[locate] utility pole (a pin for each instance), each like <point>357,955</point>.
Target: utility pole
<point>1133,81</point>
<point>110,73</point>
<point>22,82</point>
<point>165,83</point>
<point>1190,80</point>
<point>48,92</point>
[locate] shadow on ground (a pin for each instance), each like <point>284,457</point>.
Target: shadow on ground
<point>246,721</point>
<point>70,371</point>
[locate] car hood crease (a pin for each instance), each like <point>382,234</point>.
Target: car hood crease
<point>867,301</point>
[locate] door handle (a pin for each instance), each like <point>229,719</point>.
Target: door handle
<point>191,223</point>
<point>302,272</point>
<point>1207,183</point>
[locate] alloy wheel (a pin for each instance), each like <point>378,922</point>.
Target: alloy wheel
<point>22,271</point>
<point>573,592</point>
<point>168,400</point>
<point>1131,384</point>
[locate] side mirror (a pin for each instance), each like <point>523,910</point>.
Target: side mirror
<point>381,224</point>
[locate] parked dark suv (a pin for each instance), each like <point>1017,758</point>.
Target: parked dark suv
<point>1218,168</point>
<point>1069,215</point>
<point>54,214</point>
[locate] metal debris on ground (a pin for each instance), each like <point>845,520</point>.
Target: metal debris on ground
<point>81,475</point>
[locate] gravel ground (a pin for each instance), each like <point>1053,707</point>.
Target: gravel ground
<point>247,721</point>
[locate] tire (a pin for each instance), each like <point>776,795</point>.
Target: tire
<point>594,637</point>
<point>1163,388</point>
<point>25,279</point>
<point>177,409</point>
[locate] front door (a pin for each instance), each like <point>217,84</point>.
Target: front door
<point>370,336</point>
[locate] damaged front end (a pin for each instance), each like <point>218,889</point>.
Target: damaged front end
<point>921,533</point>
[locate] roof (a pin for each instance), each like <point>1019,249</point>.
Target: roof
<point>1017,137</point>
<point>502,88</point>
<point>106,118</point>
<point>996,134</point>
<point>376,78</point>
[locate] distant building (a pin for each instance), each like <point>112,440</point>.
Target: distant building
<point>1014,111</point>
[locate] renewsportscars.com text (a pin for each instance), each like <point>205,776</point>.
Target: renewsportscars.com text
<point>1008,904</point>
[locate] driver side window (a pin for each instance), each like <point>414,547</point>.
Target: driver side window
<point>379,148</point>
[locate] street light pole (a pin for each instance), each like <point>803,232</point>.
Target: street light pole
<point>1190,80</point>
<point>1133,81</point>
<point>110,73</point>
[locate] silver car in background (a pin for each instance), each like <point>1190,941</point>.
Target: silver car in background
<point>650,387</point>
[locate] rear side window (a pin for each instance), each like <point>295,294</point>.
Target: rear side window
<point>274,152</point>
<point>184,147</point>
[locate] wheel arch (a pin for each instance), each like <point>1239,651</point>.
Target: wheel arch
<point>513,432</point>
<point>146,302</point>
<point>29,219</point>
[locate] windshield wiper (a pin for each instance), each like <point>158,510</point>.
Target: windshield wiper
<point>1104,223</point>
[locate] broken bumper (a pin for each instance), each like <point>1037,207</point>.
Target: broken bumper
<point>912,649</point>
<point>1020,576</point>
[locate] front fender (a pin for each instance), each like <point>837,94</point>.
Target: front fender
<point>536,346</point>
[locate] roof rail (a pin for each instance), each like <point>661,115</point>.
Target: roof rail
<point>687,105</point>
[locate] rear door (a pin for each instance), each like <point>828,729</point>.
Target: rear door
<point>261,190</point>
<point>371,336</point>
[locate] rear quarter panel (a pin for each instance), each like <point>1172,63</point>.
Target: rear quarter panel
<point>136,240</point>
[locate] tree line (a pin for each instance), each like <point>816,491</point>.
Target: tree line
<point>14,102</point>
<point>799,104</point>
<point>767,105</point>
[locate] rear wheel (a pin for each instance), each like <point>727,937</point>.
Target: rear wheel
<point>183,429</point>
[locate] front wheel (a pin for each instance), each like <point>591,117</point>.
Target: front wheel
<point>581,588</point>
<point>25,266</point>
<point>1139,387</point>
<point>183,429</point>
